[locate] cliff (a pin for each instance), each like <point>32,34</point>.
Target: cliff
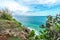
<point>10,29</point>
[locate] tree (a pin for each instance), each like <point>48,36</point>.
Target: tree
<point>31,35</point>
<point>52,29</point>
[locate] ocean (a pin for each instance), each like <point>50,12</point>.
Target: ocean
<point>32,22</point>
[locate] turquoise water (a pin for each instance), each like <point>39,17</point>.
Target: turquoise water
<point>32,22</point>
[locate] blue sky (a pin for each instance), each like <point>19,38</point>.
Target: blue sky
<point>32,7</point>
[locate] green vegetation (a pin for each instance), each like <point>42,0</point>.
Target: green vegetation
<point>5,15</point>
<point>15,38</point>
<point>51,30</point>
<point>10,26</point>
<point>6,20</point>
<point>31,35</point>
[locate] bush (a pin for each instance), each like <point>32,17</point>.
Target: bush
<point>32,33</point>
<point>6,16</point>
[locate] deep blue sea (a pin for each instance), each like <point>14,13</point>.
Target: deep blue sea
<point>32,22</point>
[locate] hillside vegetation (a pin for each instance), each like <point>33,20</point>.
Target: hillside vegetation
<point>10,29</point>
<point>51,29</point>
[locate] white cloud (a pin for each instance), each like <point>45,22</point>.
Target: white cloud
<point>12,5</point>
<point>21,8</point>
<point>44,2</point>
<point>49,2</point>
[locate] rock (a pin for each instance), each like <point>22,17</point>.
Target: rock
<point>4,36</point>
<point>27,30</point>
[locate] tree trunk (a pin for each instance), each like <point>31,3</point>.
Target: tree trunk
<point>56,36</point>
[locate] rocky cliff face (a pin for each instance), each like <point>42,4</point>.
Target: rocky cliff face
<point>9,28</point>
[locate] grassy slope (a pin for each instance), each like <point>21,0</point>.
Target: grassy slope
<point>7,22</point>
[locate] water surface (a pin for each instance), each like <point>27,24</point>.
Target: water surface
<point>32,22</point>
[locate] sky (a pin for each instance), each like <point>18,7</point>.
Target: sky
<point>32,7</point>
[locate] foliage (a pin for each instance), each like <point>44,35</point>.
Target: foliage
<point>31,35</point>
<point>6,15</point>
<point>52,29</point>
<point>51,32</point>
<point>17,23</point>
<point>15,38</point>
<point>7,22</point>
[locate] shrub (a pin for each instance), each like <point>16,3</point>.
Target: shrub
<point>6,16</point>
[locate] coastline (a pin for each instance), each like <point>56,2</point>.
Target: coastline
<point>36,32</point>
